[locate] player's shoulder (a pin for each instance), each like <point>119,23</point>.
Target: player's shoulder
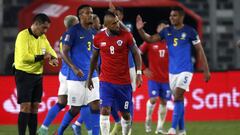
<point>24,32</point>
<point>73,28</point>
<point>100,34</point>
<point>189,28</point>
<point>126,34</point>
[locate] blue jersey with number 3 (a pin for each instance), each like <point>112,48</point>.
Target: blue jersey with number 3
<point>179,42</point>
<point>80,41</point>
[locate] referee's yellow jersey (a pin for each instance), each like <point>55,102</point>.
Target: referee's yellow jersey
<point>27,47</point>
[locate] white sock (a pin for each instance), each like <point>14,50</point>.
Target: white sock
<point>105,124</point>
<point>44,127</point>
<point>150,107</point>
<point>162,113</point>
<point>77,123</point>
<point>126,126</point>
<point>89,132</point>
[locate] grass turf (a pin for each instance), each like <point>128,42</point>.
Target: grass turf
<point>193,128</point>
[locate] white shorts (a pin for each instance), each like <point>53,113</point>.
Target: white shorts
<point>79,95</point>
<point>181,80</point>
<point>133,74</point>
<point>62,90</point>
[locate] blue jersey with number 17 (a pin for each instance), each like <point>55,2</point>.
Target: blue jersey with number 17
<point>179,42</point>
<point>80,40</point>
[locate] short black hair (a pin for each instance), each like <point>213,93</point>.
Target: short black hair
<point>41,18</point>
<point>120,9</point>
<point>179,10</point>
<point>81,7</point>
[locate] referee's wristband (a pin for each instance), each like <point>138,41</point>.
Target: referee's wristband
<point>139,72</point>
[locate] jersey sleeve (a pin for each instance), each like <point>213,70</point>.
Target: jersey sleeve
<point>144,48</point>
<point>69,37</point>
<point>96,42</point>
<point>49,48</point>
<point>194,38</point>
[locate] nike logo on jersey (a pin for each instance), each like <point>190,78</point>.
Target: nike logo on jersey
<point>169,34</point>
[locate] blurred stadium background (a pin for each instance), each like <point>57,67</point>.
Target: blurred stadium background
<point>212,108</point>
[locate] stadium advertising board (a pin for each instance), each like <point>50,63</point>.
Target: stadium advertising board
<point>218,99</point>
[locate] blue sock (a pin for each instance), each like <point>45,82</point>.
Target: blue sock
<point>52,113</point>
<point>115,115</point>
<point>65,122</point>
<point>95,119</point>
<point>177,111</point>
<point>85,115</point>
<point>181,123</point>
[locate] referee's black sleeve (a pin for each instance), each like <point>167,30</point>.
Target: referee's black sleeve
<point>39,58</point>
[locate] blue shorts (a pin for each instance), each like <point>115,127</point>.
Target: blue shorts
<point>156,89</point>
<point>119,96</point>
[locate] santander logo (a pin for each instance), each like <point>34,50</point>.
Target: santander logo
<point>10,105</point>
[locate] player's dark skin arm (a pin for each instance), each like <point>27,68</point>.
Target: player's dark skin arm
<point>146,37</point>
<point>138,61</point>
<point>93,65</point>
<point>202,57</point>
<point>64,53</point>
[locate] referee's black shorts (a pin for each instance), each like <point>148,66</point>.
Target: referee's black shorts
<point>29,87</point>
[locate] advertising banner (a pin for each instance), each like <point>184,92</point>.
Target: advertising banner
<point>218,99</point>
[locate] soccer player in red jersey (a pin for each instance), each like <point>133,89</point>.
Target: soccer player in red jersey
<point>113,45</point>
<point>158,81</point>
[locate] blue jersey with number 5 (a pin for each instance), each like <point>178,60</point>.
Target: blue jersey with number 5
<point>179,42</point>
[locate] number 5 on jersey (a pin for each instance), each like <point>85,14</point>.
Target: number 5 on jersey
<point>175,41</point>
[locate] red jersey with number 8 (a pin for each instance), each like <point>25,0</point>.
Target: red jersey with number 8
<point>114,56</point>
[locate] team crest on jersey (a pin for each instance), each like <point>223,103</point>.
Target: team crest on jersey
<point>119,42</point>
<point>183,36</point>
<point>67,37</point>
<point>102,44</point>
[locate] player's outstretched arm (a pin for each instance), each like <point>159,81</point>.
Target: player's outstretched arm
<point>202,57</point>
<point>93,65</point>
<point>146,37</point>
<point>67,59</point>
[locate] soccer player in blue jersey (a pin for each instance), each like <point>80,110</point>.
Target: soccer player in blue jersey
<point>69,21</point>
<point>77,52</point>
<point>180,38</point>
<point>85,113</point>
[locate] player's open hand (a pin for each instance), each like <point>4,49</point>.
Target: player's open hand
<point>111,7</point>
<point>139,22</point>
<point>207,76</point>
<point>139,80</point>
<point>89,84</point>
<point>53,62</point>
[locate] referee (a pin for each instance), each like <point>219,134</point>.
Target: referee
<point>31,48</point>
